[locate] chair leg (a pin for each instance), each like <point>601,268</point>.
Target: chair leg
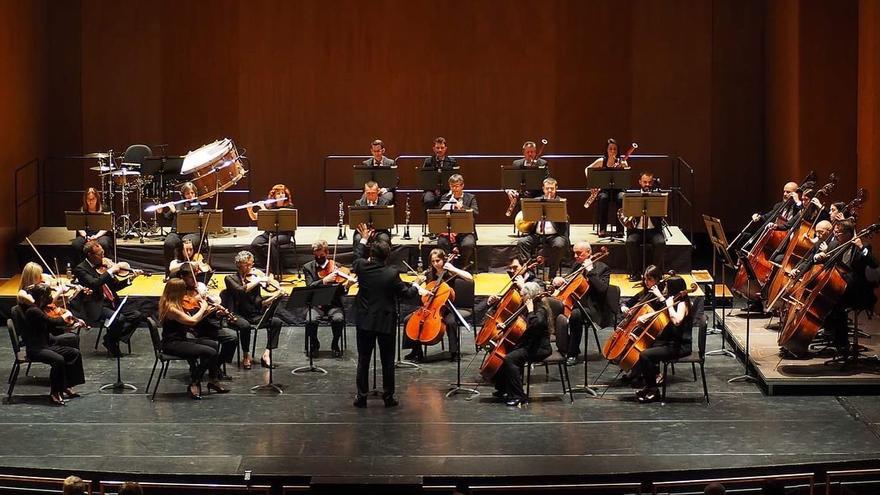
<point>694,370</point>
<point>9,378</point>
<point>528,370</point>
<point>98,338</point>
<point>566,381</point>
<point>13,378</point>
<point>27,370</point>
<point>596,338</point>
<point>155,362</point>
<point>159,379</point>
<point>705,387</point>
<point>663,393</point>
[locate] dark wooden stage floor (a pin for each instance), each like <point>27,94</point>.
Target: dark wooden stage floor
<point>312,432</point>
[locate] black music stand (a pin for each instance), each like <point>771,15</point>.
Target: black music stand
<point>118,384</point>
<point>609,178</point>
<point>264,322</point>
<point>78,220</point>
<point>746,377</point>
<point>639,204</point>
<point>375,217</point>
<point>719,243</point>
<point>457,388</point>
<point>309,297</point>
<point>384,176</point>
<point>276,221</point>
<point>449,221</point>
<point>202,221</point>
<point>523,179</point>
<point>435,179</point>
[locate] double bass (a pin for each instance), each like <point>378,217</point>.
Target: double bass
<point>425,325</point>
<point>576,284</point>
<point>509,302</point>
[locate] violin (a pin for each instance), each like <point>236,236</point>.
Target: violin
<point>123,269</point>
<point>576,284</point>
<point>192,302</point>
<point>267,283</point>
<point>509,302</point>
<point>425,325</point>
<point>341,274</point>
<point>54,311</point>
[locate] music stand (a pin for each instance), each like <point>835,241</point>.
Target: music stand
<point>609,178</point>
<point>719,243</point>
<point>746,377</point>
<point>276,221</point>
<point>435,179</point>
<point>523,179</point>
<point>376,217</point>
<point>384,176</point>
<point>79,220</point>
<point>118,384</point>
<point>264,322</point>
<point>309,297</point>
<point>639,204</point>
<point>457,388</point>
<point>449,221</point>
<point>202,221</point>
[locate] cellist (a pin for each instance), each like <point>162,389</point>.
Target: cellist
<point>533,346</point>
<point>598,275</point>
<point>669,343</point>
<point>438,264</point>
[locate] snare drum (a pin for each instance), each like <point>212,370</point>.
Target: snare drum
<point>125,177</point>
<point>215,167</point>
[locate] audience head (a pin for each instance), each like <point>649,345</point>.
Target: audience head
<point>74,485</point>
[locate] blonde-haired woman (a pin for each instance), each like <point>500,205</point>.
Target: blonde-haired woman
<point>202,353</point>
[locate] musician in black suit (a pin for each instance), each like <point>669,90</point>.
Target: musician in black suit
<point>653,233</point>
<point>458,199</point>
<point>99,274</point>
<point>334,310</point>
<point>594,302</point>
<point>376,314</point>
<point>372,197</point>
<point>173,240</point>
<point>529,160</point>
<point>553,236</point>
<point>438,161</point>
<point>377,149</point>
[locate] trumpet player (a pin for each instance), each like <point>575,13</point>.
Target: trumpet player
<point>458,199</point>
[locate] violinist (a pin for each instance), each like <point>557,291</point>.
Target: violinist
<point>669,344</point>
<point>173,240</point>
<point>534,346</point>
<point>39,328</point>
<point>277,197</point>
<point>551,236</point>
<point>323,271</point>
<point>377,149</point>
<point>530,159</point>
<point>32,275</point>
<point>458,199</point>
<point>372,197</point>
<point>594,302</point>
<point>247,303</point>
<point>610,159</point>
<point>438,161</point>
<point>177,325</point>
<point>438,265</point>
<point>91,203</point>
<point>104,278</point>
<point>211,326</point>
<point>651,228</point>
<point>186,255</point>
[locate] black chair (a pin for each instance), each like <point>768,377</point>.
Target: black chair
<point>465,303</point>
<point>101,329</point>
<point>136,153</point>
<point>161,356</point>
<point>18,357</point>
<point>558,359</point>
<point>694,358</point>
<point>324,322</point>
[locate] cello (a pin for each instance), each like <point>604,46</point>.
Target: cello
<point>425,325</point>
<point>511,331</point>
<point>508,303</point>
<point>576,284</point>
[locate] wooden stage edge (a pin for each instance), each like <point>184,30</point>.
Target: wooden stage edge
<point>779,376</point>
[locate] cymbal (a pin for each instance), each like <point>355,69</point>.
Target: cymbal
<point>97,155</point>
<point>124,172</point>
<point>101,168</point>
<point>130,165</point>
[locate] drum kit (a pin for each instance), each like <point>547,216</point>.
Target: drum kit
<point>212,168</point>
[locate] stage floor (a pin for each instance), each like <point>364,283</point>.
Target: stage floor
<point>801,376</point>
<point>311,432</point>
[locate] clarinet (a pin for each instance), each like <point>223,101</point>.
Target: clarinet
<point>342,234</point>
<point>420,267</point>
<point>406,236</point>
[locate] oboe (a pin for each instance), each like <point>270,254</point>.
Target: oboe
<point>406,236</point>
<point>420,267</point>
<point>342,234</point>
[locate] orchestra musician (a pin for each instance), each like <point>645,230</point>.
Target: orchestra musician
<point>552,236</point>
<point>610,159</point>
<point>32,275</point>
<point>669,345</point>
<point>177,325</point>
<point>372,197</point>
<point>650,278</point>
<point>458,199</point>
<point>530,159</point>
<point>104,278</point>
<point>594,302</point>
<point>278,197</point>
<point>376,314</point>
<point>514,265</point>
<point>785,217</point>
<point>37,335</point>
<point>438,262</point>
<point>211,326</point>
<point>173,239</point>
<point>91,203</point>
<point>247,303</point>
<point>438,161</point>
<point>377,149</point>
<point>533,346</point>
<point>651,228</point>
<point>186,254</point>
<point>317,272</point>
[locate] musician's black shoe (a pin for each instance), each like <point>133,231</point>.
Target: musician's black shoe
<point>414,356</point>
<point>648,394</point>
<point>499,394</point>
<point>337,353</point>
<point>571,361</point>
<point>516,402</point>
<point>360,402</point>
<point>391,401</point>
<point>635,277</point>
